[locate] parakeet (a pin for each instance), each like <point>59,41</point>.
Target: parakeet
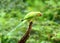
<point>28,17</point>
<point>32,15</point>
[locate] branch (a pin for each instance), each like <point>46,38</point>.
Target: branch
<point>26,36</point>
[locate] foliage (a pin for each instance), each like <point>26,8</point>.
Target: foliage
<point>46,29</point>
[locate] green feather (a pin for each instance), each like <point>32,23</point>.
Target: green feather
<point>31,15</point>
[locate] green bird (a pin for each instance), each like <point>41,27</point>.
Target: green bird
<point>32,15</point>
<point>29,17</point>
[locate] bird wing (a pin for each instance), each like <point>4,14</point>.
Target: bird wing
<point>29,16</point>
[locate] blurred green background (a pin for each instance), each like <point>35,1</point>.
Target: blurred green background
<point>46,29</point>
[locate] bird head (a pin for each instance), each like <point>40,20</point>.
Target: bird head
<point>38,13</point>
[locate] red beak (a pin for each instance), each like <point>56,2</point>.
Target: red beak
<point>40,14</point>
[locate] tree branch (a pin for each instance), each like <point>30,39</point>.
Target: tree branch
<point>26,36</point>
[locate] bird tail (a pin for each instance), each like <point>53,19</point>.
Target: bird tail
<point>19,25</point>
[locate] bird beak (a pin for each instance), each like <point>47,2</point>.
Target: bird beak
<point>40,14</point>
